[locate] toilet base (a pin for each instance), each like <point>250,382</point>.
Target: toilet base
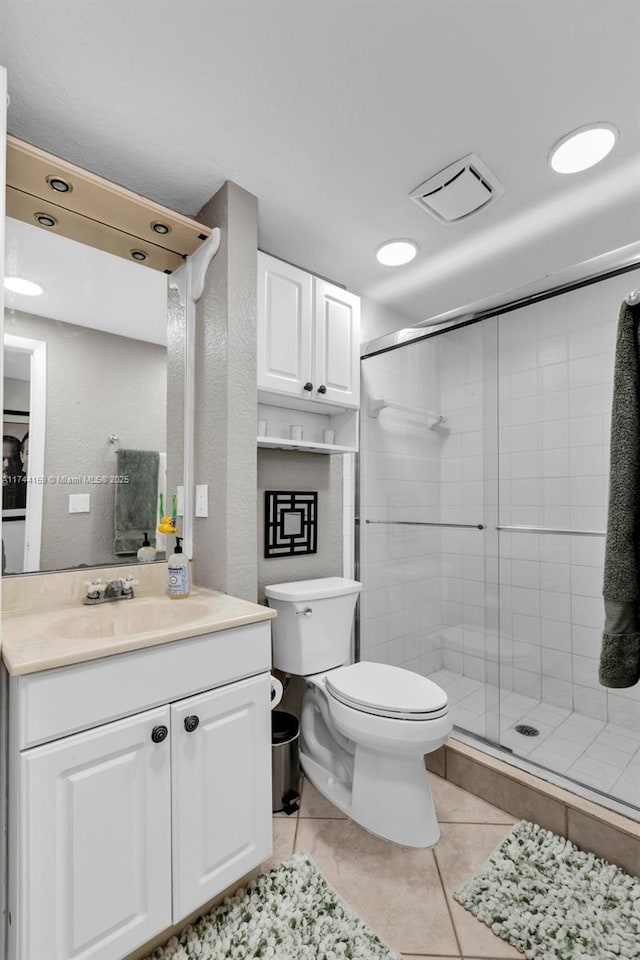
<point>390,797</point>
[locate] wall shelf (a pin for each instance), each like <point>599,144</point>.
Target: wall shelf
<point>279,420</point>
<point>280,443</point>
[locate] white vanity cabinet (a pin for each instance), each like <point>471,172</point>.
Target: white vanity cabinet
<point>221,769</point>
<point>308,338</point>
<point>149,795</point>
<point>95,841</point>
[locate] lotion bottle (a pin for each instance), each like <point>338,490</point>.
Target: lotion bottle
<point>146,553</point>
<point>178,573</point>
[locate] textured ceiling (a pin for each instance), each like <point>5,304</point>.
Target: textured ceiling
<point>331,111</point>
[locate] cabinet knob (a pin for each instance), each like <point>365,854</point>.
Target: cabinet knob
<point>308,386</point>
<point>191,723</point>
<point>322,388</point>
<point>158,734</point>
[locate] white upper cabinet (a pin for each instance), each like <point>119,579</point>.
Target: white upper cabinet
<point>308,338</point>
<point>284,327</point>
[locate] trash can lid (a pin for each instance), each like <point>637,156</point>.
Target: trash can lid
<point>284,726</point>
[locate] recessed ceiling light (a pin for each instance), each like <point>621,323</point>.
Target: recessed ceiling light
<point>59,185</point>
<point>26,287</point>
<point>139,255</point>
<point>393,253</point>
<point>161,228</point>
<point>45,220</point>
<point>583,148</point>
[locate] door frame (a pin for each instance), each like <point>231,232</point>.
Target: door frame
<point>37,350</point>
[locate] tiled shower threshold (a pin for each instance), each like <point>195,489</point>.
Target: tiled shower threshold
<point>528,793</point>
<point>597,760</point>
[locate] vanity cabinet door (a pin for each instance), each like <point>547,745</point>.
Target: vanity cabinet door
<point>95,841</point>
<point>221,758</point>
<point>336,345</point>
<point>284,328</point>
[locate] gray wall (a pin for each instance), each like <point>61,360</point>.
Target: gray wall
<point>97,384</point>
<point>295,470</point>
<point>16,394</point>
<point>226,405</point>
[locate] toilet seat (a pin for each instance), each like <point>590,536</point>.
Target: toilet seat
<point>386,691</point>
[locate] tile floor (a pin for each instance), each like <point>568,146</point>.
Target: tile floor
<point>596,754</point>
<point>405,895</point>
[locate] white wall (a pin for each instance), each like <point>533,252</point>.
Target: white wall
<point>377,318</point>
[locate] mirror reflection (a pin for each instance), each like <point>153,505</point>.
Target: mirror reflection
<point>85,404</point>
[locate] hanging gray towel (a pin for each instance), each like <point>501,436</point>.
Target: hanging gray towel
<point>620,656</point>
<point>136,506</point>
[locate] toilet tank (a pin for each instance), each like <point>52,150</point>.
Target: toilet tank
<point>312,631</point>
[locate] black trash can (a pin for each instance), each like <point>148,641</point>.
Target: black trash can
<point>285,762</point>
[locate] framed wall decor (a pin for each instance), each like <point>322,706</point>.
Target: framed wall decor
<point>290,523</point>
<point>15,464</point>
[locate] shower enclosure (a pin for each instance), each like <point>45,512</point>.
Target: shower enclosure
<point>482,508</point>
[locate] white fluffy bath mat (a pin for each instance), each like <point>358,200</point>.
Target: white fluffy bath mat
<point>552,901</point>
<point>290,913</point>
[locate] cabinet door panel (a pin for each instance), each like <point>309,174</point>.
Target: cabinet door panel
<point>337,345</point>
<point>284,327</point>
<point>95,842</point>
<point>221,790</point>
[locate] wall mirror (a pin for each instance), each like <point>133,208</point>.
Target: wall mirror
<point>85,380</point>
<point>88,447</point>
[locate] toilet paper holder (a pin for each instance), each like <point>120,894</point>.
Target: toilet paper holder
<point>276,692</point>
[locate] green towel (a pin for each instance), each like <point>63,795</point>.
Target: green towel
<point>136,506</point>
<point>620,656</point>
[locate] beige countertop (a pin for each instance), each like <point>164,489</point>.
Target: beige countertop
<point>37,635</point>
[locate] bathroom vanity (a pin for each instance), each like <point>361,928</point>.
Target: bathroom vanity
<point>139,778</point>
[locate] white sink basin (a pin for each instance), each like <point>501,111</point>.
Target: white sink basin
<point>121,618</point>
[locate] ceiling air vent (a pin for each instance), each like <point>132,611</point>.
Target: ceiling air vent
<point>459,190</point>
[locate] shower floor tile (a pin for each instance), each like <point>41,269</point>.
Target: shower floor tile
<point>604,756</point>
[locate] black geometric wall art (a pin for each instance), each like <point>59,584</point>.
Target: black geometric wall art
<point>290,523</point>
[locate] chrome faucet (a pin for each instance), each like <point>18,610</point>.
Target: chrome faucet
<point>103,591</point>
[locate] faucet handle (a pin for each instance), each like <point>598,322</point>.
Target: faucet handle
<point>94,588</point>
<point>129,582</point>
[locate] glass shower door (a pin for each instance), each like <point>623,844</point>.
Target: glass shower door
<point>428,512</point>
<point>556,370</point>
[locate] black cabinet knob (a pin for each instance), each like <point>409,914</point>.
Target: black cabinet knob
<point>191,723</point>
<point>158,734</point>
<point>308,386</point>
<point>322,388</point>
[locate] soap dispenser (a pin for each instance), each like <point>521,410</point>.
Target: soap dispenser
<point>146,553</point>
<point>178,573</point>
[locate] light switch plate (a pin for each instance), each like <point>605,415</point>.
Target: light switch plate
<point>79,503</point>
<point>202,500</point>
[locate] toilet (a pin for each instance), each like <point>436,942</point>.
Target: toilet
<point>365,727</point>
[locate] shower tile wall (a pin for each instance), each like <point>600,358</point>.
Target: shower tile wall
<point>556,361</point>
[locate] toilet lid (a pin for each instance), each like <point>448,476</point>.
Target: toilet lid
<point>388,691</point>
